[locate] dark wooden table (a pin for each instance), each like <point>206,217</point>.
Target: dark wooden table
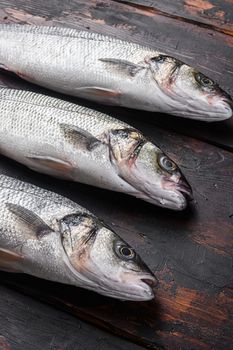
<point>190,252</point>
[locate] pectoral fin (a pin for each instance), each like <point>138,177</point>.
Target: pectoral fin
<point>123,66</point>
<point>9,260</point>
<point>7,68</point>
<point>3,66</point>
<point>79,137</point>
<point>96,93</point>
<point>51,163</point>
<point>37,227</point>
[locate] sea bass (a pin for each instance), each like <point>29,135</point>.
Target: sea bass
<point>108,70</point>
<point>48,236</point>
<point>76,143</point>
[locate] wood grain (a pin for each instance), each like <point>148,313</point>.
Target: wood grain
<point>27,324</point>
<point>190,252</point>
<point>212,14</point>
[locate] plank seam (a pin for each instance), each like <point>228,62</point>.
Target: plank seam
<point>158,12</point>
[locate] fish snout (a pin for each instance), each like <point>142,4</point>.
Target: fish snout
<point>180,184</point>
<point>228,100</point>
<point>151,282</point>
<point>148,285</point>
<point>184,187</point>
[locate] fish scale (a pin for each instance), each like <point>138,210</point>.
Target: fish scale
<point>40,201</point>
<point>47,205</point>
<point>40,105</point>
<point>49,55</point>
<point>73,142</point>
<point>33,241</point>
<point>59,31</point>
<point>11,185</point>
<point>31,126</point>
<point>111,71</point>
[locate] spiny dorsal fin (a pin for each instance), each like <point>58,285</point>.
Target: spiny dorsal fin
<point>38,228</point>
<point>79,137</point>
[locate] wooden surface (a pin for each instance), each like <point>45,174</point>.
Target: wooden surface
<point>27,324</point>
<point>213,14</point>
<point>191,252</point>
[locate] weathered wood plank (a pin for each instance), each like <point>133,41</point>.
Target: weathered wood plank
<point>213,14</point>
<point>190,252</point>
<point>26,324</point>
<point>207,50</point>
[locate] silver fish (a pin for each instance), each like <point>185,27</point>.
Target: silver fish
<point>48,236</point>
<point>76,143</point>
<point>112,71</point>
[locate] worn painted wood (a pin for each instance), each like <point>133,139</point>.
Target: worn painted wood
<point>214,14</point>
<point>204,48</point>
<point>190,252</point>
<point>26,324</point>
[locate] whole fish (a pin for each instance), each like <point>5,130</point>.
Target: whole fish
<point>112,71</point>
<point>76,143</point>
<point>46,235</point>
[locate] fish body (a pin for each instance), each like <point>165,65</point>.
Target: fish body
<point>109,70</point>
<point>48,236</point>
<point>73,142</point>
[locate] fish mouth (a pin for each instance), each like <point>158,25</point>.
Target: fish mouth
<point>141,290</point>
<point>146,289</point>
<point>168,193</point>
<point>148,284</point>
<point>152,282</point>
<point>181,187</point>
<point>221,110</point>
<point>185,189</point>
<point>145,294</point>
<point>228,105</point>
<point>170,198</point>
<point>227,98</point>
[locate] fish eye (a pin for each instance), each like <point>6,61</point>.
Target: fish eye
<point>125,252</point>
<point>166,163</point>
<point>203,80</point>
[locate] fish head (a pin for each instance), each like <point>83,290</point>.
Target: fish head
<point>102,261</point>
<point>154,176</point>
<point>186,92</point>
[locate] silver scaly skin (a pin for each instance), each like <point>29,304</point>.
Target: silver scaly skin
<point>48,236</point>
<point>112,71</point>
<point>76,143</point>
